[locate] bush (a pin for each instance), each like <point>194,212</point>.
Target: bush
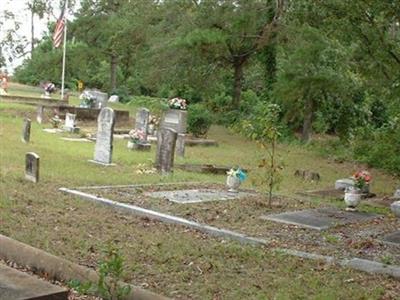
<point>379,147</point>
<point>199,120</point>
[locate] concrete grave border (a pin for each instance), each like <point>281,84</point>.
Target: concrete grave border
<point>58,268</point>
<point>355,263</point>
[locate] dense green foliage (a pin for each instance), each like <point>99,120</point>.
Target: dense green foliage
<point>332,66</point>
<point>199,120</point>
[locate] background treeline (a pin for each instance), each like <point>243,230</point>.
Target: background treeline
<point>332,66</point>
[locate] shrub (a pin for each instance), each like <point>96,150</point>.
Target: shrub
<point>199,120</point>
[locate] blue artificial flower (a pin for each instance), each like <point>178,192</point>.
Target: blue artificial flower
<point>241,175</point>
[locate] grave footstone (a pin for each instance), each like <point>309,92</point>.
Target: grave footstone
<point>113,99</point>
<point>40,112</point>
<point>165,150</point>
<point>104,138</point>
<point>32,167</point>
<point>26,131</point>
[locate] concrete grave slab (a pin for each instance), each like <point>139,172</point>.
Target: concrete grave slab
<point>197,195</point>
<point>393,238</point>
<point>15,284</point>
<point>320,218</point>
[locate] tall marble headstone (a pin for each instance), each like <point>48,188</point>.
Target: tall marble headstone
<point>104,138</point>
<point>32,167</point>
<point>26,131</point>
<point>180,144</point>
<point>165,150</point>
<point>175,119</point>
<point>39,115</point>
<point>142,121</point>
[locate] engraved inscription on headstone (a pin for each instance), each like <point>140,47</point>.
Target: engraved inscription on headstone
<point>32,167</point>
<point>40,112</point>
<point>26,131</point>
<point>142,121</point>
<point>104,138</point>
<point>175,119</point>
<point>165,150</point>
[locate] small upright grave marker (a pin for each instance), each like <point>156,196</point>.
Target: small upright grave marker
<point>32,167</point>
<point>165,150</point>
<point>104,138</point>
<point>142,121</point>
<point>40,112</point>
<point>70,123</point>
<point>26,131</point>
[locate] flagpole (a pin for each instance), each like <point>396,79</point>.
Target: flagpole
<point>64,50</point>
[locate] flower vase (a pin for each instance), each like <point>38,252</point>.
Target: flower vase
<point>352,198</point>
<point>131,145</point>
<point>233,183</point>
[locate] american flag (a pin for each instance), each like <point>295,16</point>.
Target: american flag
<point>59,31</point>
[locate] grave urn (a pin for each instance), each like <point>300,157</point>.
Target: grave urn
<point>352,198</point>
<point>233,183</point>
<point>395,207</point>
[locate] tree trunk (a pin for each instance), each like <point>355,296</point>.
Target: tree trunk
<point>237,84</point>
<point>32,32</point>
<point>308,118</point>
<point>113,75</point>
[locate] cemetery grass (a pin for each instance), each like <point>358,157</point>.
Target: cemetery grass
<point>171,260</point>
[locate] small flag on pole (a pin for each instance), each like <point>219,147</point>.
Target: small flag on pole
<point>59,31</point>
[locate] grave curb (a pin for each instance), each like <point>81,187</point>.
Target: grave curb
<point>58,268</point>
<point>359,264</point>
<point>167,218</point>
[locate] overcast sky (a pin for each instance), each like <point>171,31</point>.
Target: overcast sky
<point>22,14</point>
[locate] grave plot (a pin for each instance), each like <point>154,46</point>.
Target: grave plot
<point>343,234</point>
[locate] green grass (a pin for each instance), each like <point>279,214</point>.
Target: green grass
<point>167,259</point>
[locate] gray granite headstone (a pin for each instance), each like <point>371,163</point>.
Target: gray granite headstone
<point>165,150</point>
<point>175,119</point>
<point>26,131</point>
<point>180,145</point>
<point>40,112</point>
<point>142,121</point>
<point>104,138</point>
<point>32,166</point>
<point>101,99</point>
<point>320,218</point>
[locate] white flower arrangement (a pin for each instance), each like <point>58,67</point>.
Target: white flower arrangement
<point>177,103</point>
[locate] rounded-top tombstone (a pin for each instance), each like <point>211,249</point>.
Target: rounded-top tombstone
<point>104,137</point>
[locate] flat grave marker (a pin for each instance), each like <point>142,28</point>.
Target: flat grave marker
<point>197,195</point>
<point>320,218</point>
<point>393,238</point>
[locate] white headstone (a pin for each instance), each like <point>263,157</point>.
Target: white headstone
<point>104,138</point>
